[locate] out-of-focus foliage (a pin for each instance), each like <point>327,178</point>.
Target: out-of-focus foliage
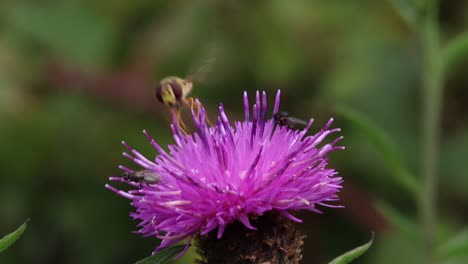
<point>351,255</point>
<point>164,257</point>
<point>11,238</point>
<point>76,77</point>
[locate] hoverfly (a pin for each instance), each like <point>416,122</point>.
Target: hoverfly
<point>142,176</point>
<point>283,119</point>
<point>173,91</point>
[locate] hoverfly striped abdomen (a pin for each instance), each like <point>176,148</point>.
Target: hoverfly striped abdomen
<point>172,90</point>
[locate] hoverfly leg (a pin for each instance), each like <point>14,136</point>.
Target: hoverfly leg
<point>190,101</point>
<point>195,109</point>
<point>178,120</point>
<point>208,121</point>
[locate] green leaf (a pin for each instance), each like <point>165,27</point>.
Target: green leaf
<point>386,148</point>
<point>353,254</point>
<point>9,239</point>
<point>455,51</point>
<point>406,226</point>
<point>455,246</point>
<point>164,257</point>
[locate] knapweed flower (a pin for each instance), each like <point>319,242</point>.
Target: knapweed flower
<point>231,172</point>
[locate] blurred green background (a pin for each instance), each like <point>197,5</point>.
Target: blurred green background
<point>77,77</point>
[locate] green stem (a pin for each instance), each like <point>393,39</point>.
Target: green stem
<point>432,100</point>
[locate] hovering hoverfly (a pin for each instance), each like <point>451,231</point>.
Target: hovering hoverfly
<point>173,91</point>
<point>283,119</point>
<point>142,176</point>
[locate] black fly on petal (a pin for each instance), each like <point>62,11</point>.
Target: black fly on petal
<point>141,176</point>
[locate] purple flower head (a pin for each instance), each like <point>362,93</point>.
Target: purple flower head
<point>228,172</point>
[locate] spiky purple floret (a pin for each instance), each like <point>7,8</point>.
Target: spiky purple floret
<point>225,172</point>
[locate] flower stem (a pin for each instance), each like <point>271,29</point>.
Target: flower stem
<point>432,100</point>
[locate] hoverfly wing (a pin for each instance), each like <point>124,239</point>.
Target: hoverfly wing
<point>203,66</point>
<point>201,73</point>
